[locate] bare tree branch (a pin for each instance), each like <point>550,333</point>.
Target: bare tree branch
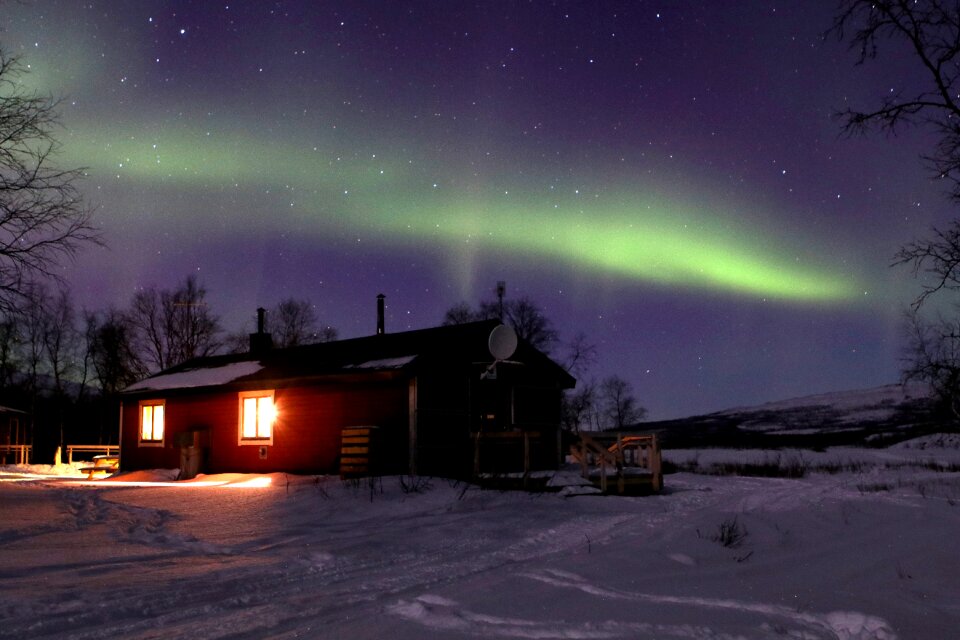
<point>937,258</point>
<point>170,327</point>
<point>43,219</point>
<point>931,30</point>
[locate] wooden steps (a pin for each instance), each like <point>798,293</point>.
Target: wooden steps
<point>628,463</point>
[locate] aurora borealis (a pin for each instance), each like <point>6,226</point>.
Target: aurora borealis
<point>664,176</point>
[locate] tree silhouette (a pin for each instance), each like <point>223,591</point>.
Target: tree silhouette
<point>170,327</point>
<point>42,215</point>
<point>522,314</point>
<point>294,322</point>
<point>930,31</point>
<point>618,406</point>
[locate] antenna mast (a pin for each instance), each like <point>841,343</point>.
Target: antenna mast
<point>501,290</point>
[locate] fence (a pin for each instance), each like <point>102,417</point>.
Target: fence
<point>102,449</point>
<point>22,452</point>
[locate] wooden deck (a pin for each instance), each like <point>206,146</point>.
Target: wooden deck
<point>621,463</point>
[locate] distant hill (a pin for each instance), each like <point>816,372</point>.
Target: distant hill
<point>879,416</point>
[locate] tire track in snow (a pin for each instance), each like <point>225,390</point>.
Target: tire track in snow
<point>132,524</point>
<point>447,615</point>
<point>837,625</point>
<point>273,586</point>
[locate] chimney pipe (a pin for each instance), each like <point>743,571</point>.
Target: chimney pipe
<point>261,320</point>
<point>380,323</point>
<point>261,341</point>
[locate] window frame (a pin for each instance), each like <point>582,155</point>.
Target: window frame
<point>163,426</point>
<point>255,441</point>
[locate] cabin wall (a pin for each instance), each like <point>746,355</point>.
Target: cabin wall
<point>443,424</point>
<point>306,433</point>
<point>453,408</point>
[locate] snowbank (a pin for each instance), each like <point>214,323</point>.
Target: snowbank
<point>852,555</point>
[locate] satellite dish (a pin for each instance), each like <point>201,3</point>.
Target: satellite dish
<point>502,342</point>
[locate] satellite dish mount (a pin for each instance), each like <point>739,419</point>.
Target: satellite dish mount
<point>502,344</point>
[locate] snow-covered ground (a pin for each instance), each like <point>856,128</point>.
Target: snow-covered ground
<point>866,552</point>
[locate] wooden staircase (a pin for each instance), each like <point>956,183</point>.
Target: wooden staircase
<point>630,463</point>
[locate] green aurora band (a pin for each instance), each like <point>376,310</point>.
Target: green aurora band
<point>629,235</point>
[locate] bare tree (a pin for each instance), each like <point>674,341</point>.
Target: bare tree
<point>618,406</point>
<point>581,355</point>
<point>62,343</point>
<point>933,355</point>
<point>522,314</point>
<point>460,313</point>
<point>937,258</point>
<point>9,348</point>
<point>42,216</point>
<point>170,327</point>
<point>530,323</point>
<point>294,322</point>
<point>111,352</point>
<point>929,30</point>
<point>33,323</point>
<point>115,364</point>
<point>579,407</point>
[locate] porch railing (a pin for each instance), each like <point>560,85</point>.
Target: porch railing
<point>101,449</point>
<point>625,459</point>
<point>22,452</point>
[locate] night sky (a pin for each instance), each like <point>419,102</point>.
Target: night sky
<point>664,176</point>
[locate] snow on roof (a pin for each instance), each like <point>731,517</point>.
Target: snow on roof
<point>206,377</point>
<point>383,363</point>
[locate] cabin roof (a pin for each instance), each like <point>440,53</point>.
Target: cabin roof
<point>384,353</point>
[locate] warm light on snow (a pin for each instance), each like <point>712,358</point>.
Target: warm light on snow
<point>252,483</point>
<point>325,558</point>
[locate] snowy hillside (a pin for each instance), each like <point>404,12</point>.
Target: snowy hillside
<point>889,413</point>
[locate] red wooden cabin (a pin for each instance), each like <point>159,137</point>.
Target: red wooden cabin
<point>440,403</point>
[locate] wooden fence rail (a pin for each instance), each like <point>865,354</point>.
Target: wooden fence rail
<point>103,449</point>
<point>23,452</point>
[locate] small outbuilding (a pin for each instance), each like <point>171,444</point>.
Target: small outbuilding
<point>449,401</point>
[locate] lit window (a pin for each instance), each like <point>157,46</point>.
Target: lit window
<point>257,414</point>
<point>151,423</point>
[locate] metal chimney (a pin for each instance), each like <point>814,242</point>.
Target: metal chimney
<point>261,341</point>
<point>261,320</point>
<point>380,328</point>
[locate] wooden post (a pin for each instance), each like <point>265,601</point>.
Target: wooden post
<point>526,452</point>
<point>619,464</point>
<point>584,466</point>
<point>412,416</point>
<point>476,455</point>
<point>526,459</point>
<point>603,474</point>
<point>655,464</point>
